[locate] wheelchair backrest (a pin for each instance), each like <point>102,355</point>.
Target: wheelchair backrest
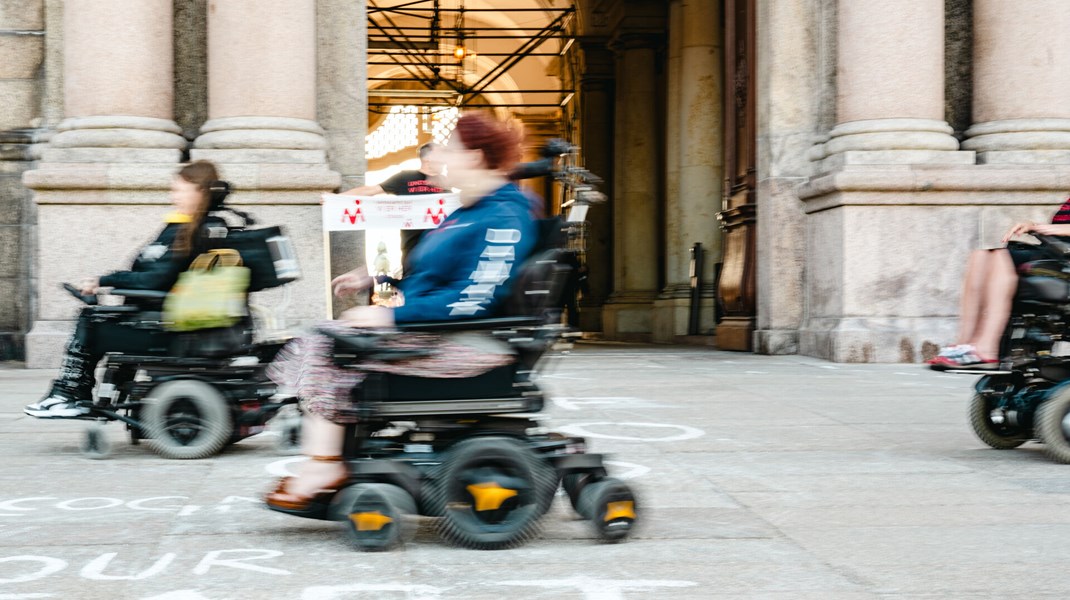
<point>539,284</point>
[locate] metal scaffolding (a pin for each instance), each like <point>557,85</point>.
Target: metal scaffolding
<point>436,54</point>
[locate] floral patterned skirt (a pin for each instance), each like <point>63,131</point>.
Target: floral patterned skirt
<point>305,366</point>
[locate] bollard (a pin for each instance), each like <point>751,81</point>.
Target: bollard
<point>696,289</point>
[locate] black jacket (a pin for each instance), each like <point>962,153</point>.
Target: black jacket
<point>157,266</point>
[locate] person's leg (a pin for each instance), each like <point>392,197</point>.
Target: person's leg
<point>999,289</point>
<point>973,294</point>
<point>321,442</point>
<point>74,386</point>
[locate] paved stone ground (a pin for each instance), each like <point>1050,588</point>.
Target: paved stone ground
<point>762,477</point>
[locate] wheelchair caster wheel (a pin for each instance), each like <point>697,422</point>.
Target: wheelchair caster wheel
<point>492,492</point>
<point>992,427</point>
<point>374,515</point>
<point>611,507</point>
<point>573,484</point>
<point>95,445</point>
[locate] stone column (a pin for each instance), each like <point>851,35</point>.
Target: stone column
<point>596,144</point>
<point>22,54</point>
<point>627,313</point>
<point>1021,82</point>
<point>118,77</point>
<point>101,184</point>
<point>263,128</point>
<point>890,87</point>
<point>261,84</point>
<point>694,157</point>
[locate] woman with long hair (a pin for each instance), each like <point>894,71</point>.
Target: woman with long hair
<point>156,267</point>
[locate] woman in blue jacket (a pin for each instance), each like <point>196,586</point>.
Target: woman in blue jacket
<point>156,267</point>
<point>459,270</point>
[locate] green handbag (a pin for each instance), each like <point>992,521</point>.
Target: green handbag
<point>210,294</point>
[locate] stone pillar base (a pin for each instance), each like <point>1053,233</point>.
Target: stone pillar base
<point>628,320</point>
<point>591,318</point>
<point>671,317</point>
<point>261,156</point>
<point>1020,141</point>
<point>876,339</point>
<point>1024,157</point>
<point>776,341</point>
<point>892,244</point>
<point>261,140</point>
<point>46,342</point>
<point>115,139</point>
<point>736,333</point>
<point>100,215</point>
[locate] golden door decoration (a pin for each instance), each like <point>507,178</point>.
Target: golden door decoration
<point>736,291</point>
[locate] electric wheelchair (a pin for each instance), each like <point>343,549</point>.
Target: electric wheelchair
<point>193,393</point>
<point>1028,396</point>
<point>470,451</point>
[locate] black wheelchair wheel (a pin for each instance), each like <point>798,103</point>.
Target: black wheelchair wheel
<point>611,507</point>
<point>374,514</point>
<point>1052,424</point>
<point>1001,436</point>
<point>492,492</point>
<point>186,419</point>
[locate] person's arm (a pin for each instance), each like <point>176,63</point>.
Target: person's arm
<point>157,267</point>
<point>480,260</point>
<point>160,274</point>
<point>1062,229</point>
<point>364,190</point>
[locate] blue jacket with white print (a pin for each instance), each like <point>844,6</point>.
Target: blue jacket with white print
<point>462,268</point>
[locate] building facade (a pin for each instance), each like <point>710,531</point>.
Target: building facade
<point>835,161</point>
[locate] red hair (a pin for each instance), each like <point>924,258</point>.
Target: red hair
<point>499,143</point>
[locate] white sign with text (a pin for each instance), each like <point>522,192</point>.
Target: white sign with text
<point>422,211</point>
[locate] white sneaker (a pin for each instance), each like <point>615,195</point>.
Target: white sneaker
<point>56,407</point>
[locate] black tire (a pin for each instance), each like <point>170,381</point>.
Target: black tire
<point>95,445</point>
<point>186,419</point>
<point>1001,436</point>
<point>375,514</point>
<point>1052,425</point>
<point>476,518</point>
<point>611,507</point>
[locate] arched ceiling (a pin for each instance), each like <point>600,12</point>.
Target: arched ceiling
<point>517,47</point>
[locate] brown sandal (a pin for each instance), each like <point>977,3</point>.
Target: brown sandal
<point>283,499</point>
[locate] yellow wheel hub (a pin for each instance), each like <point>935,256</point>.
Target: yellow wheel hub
<point>489,496</point>
<point>625,509</point>
<point>370,521</point>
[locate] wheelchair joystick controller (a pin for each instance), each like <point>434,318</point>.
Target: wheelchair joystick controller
<point>89,299</point>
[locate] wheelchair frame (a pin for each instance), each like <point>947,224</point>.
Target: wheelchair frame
<point>186,407</point>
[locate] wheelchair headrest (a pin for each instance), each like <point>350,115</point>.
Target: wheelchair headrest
<point>218,192</point>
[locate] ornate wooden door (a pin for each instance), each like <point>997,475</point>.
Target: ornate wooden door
<point>736,290</point>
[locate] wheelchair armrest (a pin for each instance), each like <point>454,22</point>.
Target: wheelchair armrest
<point>473,324</point>
<point>1053,245</point>
<point>146,294</point>
<point>118,308</point>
